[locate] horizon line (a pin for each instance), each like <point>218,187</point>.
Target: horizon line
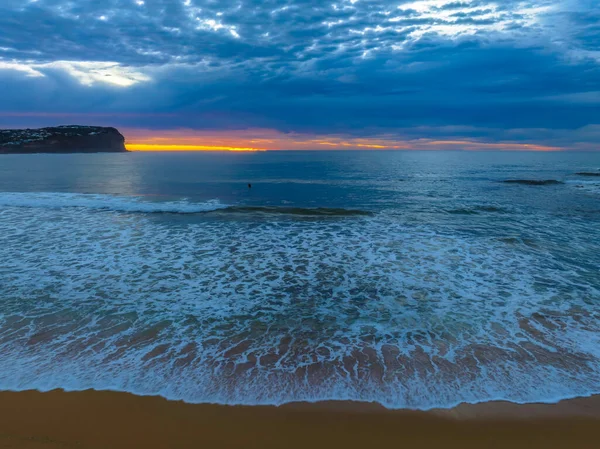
<point>157,148</point>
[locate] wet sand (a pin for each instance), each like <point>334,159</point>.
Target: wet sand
<point>33,420</point>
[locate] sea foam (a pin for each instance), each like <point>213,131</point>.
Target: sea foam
<point>104,202</point>
<point>270,311</point>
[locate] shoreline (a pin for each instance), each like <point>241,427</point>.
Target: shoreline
<point>104,419</point>
<point>493,408</point>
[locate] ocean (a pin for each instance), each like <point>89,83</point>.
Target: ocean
<point>412,279</point>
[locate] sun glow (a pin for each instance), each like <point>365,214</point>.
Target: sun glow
<point>158,147</point>
<point>253,140</point>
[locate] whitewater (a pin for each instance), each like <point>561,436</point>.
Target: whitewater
<point>383,277</point>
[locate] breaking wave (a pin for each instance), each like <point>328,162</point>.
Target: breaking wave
<point>101,202</point>
<point>268,312</point>
<point>533,182</point>
<point>586,185</point>
<point>302,211</point>
<point>476,210</point>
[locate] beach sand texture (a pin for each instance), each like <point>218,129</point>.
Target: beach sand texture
<point>90,419</point>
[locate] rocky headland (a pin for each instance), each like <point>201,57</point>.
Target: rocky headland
<point>62,139</point>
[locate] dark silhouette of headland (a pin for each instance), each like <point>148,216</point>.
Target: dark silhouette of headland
<point>62,139</point>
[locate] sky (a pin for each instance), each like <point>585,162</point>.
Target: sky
<point>308,74</point>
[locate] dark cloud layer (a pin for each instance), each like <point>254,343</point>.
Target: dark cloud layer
<point>499,70</point>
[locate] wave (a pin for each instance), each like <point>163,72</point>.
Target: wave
<point>240,312</point>
<point>594,182</point>
<point>476,210</point>
<point>245,313</point>
<point>303,211</point>
<point>132,204</point>
<point>588,173</point>
<point>533,182</point>
<point>587,186</point>
<point>104,202</point>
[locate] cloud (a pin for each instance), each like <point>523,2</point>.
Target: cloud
<point>354,69</point>
<point>86,73</point>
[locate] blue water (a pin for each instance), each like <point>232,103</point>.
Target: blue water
<point>414,279</point>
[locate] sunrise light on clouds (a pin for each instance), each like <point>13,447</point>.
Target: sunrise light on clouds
<point>425,74</point>
<point>271,140</point>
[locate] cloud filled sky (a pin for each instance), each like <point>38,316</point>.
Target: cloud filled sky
<point>474,74</point>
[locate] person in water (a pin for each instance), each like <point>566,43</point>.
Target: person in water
<point>249,185</point>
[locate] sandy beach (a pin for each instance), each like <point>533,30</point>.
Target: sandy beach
<point>90,419</point>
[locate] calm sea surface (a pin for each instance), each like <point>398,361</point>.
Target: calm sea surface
<point>415,279</point>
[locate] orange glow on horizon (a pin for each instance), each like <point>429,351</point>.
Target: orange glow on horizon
<point>159,147</point>
<point>505,146</point>
<point>253,140</point>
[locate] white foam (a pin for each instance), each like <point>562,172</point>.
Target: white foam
<point>583,182</point>
<point>589,186</point>
<point>273,311</point>
<point>103,202</point>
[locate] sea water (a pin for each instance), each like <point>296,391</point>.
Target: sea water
<point>414,279</point>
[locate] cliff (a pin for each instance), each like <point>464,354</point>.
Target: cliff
<point>62,139</point>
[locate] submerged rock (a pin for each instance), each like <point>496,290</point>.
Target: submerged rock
<point>62,139</point>
<point>533,182</point>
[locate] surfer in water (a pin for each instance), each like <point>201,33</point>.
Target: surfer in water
<point>249,185</point>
